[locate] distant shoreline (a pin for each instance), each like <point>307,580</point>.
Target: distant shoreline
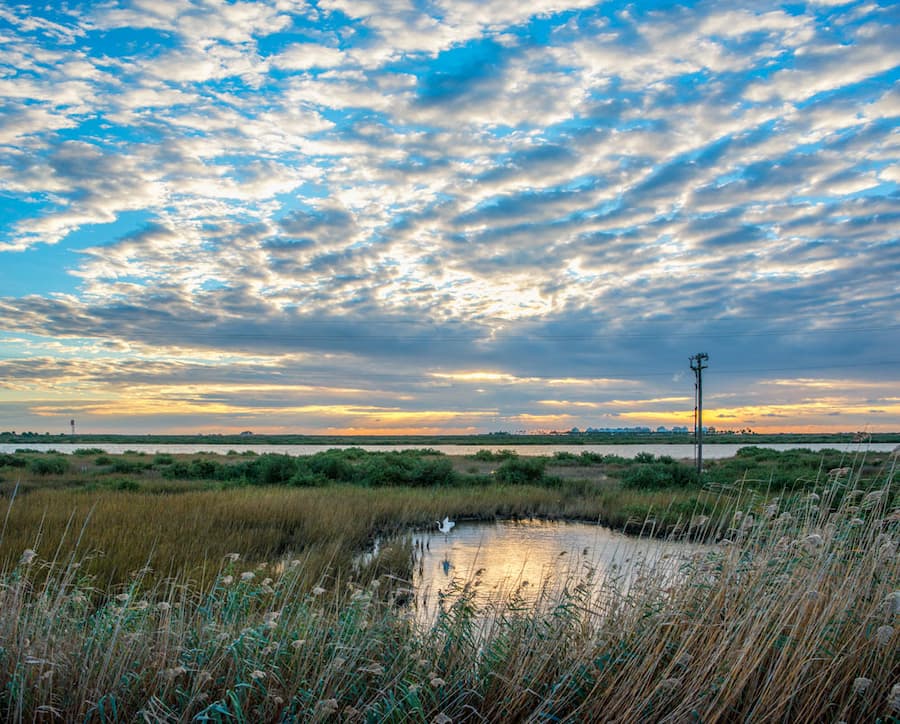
<point>490,439</point>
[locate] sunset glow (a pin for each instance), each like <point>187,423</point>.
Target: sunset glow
<point>452,217</point>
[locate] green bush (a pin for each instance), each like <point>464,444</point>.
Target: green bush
<point>163,459</point>
<point>490,456</point>
<point>88,451</point>
<point>273,469</point>
<point>11,461</point>
<point>48,466</point>
<point>432,471</point>
<point>658,475</point>
<point>103,460</point>
<point>333,464</point>
<point>128,467</point>
<point>521,471</point>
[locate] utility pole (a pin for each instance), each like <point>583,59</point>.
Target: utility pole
<point>697,365</point>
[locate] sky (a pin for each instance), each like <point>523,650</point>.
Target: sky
<point>448,216</point>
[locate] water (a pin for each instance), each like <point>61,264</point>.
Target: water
<point>710,450</point>
<point>531,557</point>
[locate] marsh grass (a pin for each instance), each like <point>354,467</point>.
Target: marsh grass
<point>792,617</point>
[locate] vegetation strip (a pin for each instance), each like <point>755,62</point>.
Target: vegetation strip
<point>242,601</point>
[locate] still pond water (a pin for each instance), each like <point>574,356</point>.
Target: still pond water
<point>710,450</point>
<point>530,556</point>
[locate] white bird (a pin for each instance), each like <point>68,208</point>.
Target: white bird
<point>446,526</point>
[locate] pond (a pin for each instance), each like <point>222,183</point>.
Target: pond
<point>533,559</point>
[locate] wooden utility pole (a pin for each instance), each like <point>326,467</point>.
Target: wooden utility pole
<point>697,365</point>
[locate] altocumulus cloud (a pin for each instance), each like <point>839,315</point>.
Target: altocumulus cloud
<point>456,216</point>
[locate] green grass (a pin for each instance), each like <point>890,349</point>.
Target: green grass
<point>792,616</point>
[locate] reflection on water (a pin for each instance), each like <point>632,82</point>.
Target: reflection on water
<point>533,556</point>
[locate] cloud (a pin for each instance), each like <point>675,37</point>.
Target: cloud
<point>546,192</point>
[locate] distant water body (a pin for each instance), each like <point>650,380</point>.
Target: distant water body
<point>710,450</point>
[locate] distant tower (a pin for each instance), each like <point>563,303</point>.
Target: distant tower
<point>72,423</point>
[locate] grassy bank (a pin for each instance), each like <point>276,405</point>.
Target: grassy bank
<point>181,514</point>
<point>791,617</point>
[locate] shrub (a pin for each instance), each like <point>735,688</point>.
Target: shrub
<point>658,475</point>
<point>88,451</point>
<point>432,471</point>
<point>11,461</point>
<point>273,469</point>
<point>48,466</point>
<point>103,460</point>
<point>127,466</point>
<point>332,464</point>
<point>163,459</point>
<point>521,471</point>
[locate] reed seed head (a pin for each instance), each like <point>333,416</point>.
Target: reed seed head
<point>232,557</point>
<point>871,499</point>
<point>247,576</point>
<point>174,672</point>
<point>327,706</point>
<point>894,698</point>
<point>861,684</point>
<point>812,542</point>
<point>884,634</point>
<point>28,555</point>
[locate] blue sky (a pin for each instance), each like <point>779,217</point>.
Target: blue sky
<point>455,216</point>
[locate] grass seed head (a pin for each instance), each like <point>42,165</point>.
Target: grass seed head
<point>28,556</point>
<point>861,684</point>
<point>327,706</point>
<point>884,634</point>
<point>894,698</point>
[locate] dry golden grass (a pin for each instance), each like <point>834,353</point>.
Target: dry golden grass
<point>792,617</point>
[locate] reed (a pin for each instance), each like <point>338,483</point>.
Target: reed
<point>791,617</point>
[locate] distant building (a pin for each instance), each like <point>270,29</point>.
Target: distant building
<point>246,433</point>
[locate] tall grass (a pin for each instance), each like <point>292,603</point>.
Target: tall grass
<point>188,532</point>
<point>792,617</point>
